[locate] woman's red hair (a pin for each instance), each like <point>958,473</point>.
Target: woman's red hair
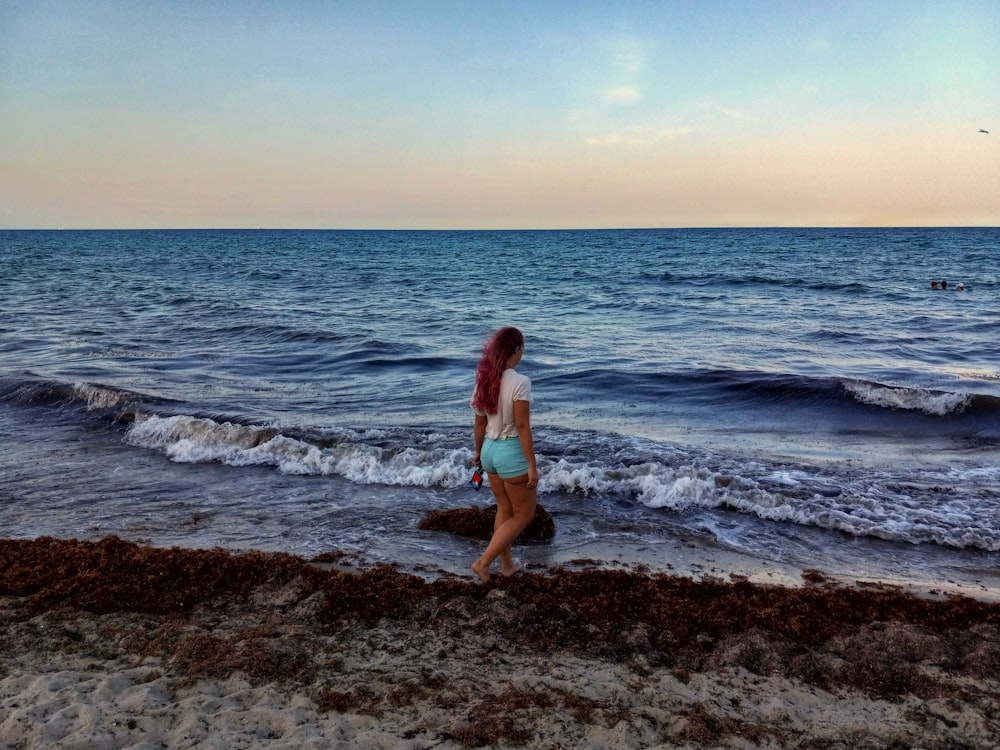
<point>496,352</point>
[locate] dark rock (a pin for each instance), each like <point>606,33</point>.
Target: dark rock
<point>477,522</point>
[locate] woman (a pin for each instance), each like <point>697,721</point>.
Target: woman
<point>504,447</point>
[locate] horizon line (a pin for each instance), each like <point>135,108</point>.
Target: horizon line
<point>496,229</point>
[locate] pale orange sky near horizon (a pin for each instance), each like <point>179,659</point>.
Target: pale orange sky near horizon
<point>320,115</point>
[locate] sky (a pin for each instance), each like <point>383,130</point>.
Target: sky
<point>483,114</point>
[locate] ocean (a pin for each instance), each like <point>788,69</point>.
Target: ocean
<point>796,397</point>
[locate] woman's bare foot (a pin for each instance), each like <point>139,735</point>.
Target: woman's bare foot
<point>508,569</point>
<point>481,571</point>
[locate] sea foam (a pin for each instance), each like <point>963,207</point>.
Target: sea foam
<point>937,403</point>
<point>187,439</point>
<point>865,504</point>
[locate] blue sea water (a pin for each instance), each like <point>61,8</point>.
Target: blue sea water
<point>790,395</point>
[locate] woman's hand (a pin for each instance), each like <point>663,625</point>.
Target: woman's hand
<point>522,419</point>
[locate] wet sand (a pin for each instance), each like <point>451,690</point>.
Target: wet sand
<point>112,645</point>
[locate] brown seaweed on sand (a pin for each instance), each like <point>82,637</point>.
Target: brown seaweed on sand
<point>276,618</point>
<point>666,618</point>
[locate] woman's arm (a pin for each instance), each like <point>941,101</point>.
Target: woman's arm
<point>479,434</point>
<point>522,418</point>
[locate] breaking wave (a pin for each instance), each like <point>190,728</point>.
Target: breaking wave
<point>187,439</point>
<point>937,403</point>
<point>862,503</point>
<point>928,504</point>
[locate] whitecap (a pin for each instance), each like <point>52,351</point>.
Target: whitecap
<point>937,403</point>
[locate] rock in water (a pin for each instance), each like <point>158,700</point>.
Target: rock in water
<point>477,522</point>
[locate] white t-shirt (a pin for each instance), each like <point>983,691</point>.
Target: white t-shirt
<point>513,387</point>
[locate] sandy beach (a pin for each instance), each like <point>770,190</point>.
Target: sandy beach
<point>113,645</point>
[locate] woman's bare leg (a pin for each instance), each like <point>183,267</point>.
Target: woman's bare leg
<point>504,511</point>
<point>507,567</point>
<point>520,500</point>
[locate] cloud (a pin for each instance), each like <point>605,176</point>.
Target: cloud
<point>628,55</point>
<point>818,45</point>
<point>635,136</point>
<point>622,95</point>
<point>734,114</point>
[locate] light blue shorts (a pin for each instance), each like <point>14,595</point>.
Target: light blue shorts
<point>504,457</point>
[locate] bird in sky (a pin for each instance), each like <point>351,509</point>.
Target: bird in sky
<point>982,130</point>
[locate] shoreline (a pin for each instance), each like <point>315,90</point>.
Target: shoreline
<point>110,644</point>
